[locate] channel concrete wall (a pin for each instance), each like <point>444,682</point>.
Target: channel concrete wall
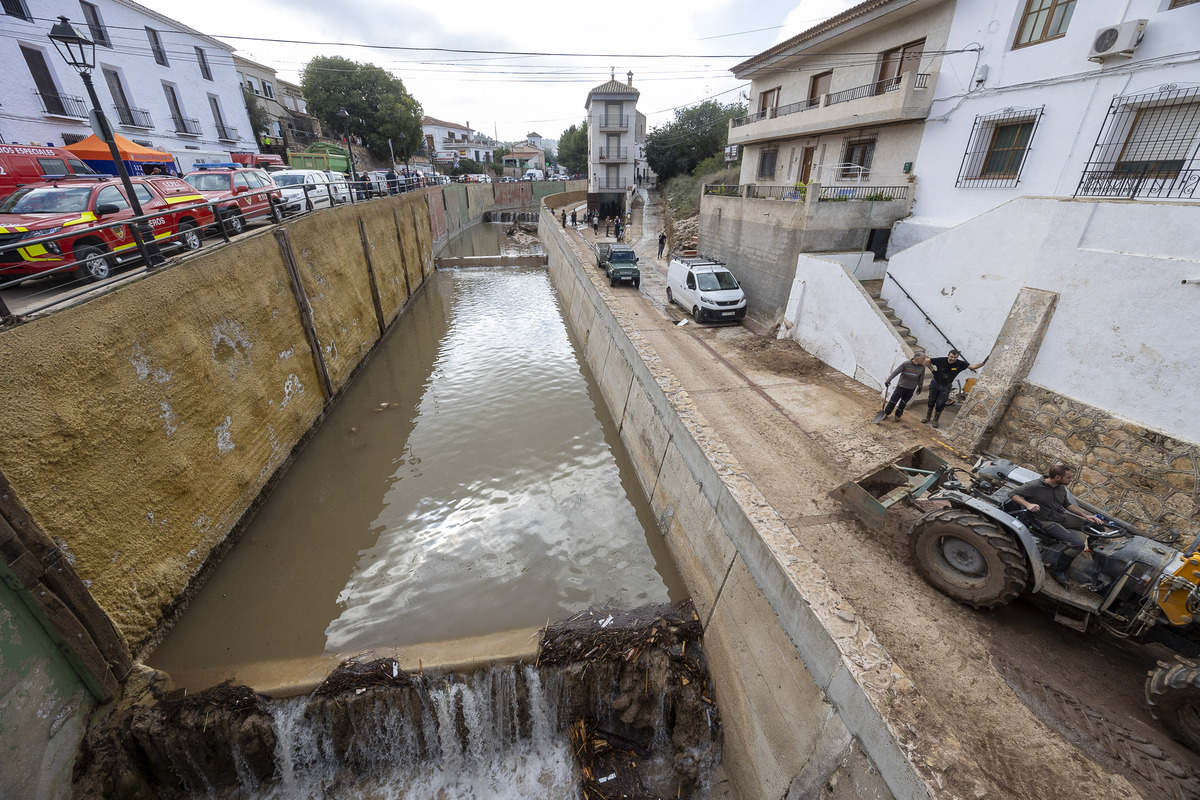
<point>803,686</point>
<point>454,207</point>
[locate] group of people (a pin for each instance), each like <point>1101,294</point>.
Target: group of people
<point>910,380</point>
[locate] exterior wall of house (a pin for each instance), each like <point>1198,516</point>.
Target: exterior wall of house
<point>828,124</point>
<point>1054,75</point>
<point>24,119</point>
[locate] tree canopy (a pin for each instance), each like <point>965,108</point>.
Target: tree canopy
<point>573,149</point>
<point>379,106</point>
<point>698,132</point>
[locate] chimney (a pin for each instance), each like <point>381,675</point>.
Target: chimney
<point>629,75</point>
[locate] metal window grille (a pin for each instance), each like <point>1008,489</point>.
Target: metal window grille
<point>72,138</point>
<point>997,149</point>
<point>15,8</point>
<point>1149,146</point>
<point>856,160</point>
<point>95,26</point>
<point>766,164</point>
<point>202,58</point>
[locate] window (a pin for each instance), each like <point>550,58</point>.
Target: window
<point>73,138</point>
<point>16,8</point>
<point>95,25</point>
<point>1181,3</point>
<point>202,60</point>
<point>36,61</point>
<point>143,195</point>
<point>997,148</point>
<point>1148,147</point>
<point>856,160</point>
<point>894,63</point>
<point>766,164</point>
<point>268,90</point>
<point>115,87</point>
<point>1044,20</point>
<point>253,85</point>
<point>111,195</point>
<point>160,55</point>
<point>52,166</point>
<point>769,99</point>
<point>819,85</point>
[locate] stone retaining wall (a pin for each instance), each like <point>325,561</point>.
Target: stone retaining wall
<point>1145,477</point>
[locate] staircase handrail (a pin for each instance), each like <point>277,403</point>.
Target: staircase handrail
<point>923,312</point>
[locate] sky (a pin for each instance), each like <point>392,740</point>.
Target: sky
<point>680,51</point>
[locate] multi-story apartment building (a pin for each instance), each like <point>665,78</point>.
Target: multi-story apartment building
<point>161,83</point>
<point>615,129</point>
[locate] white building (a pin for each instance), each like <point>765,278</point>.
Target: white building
<point>1030,109</point>
<point>161,83</point>
<point>442,136</point>
<point>615,130</point>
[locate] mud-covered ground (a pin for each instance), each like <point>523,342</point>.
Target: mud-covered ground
<point>1044,711</point>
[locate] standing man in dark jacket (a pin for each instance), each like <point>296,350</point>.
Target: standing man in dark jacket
<point>912,379</point>
<point>945,370</point>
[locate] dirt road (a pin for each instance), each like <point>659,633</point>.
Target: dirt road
<point>1042,710</point>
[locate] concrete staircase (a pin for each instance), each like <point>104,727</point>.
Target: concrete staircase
<point>875,289</point>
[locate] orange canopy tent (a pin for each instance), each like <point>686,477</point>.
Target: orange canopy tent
<point>95,153</point>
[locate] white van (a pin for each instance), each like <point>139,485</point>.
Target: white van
<point>705,289</point>
<point>534,175</point>
<point>304,189</point>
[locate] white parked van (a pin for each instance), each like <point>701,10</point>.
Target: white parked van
<point>304,189</point>
<point>705,289</point>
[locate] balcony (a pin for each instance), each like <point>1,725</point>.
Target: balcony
<point>612,155</point>
<point>899,99</point>
<point>1161,183</point>
<point>63,105</point>
<point>613,185</point>
<point>186,126</point>
<point>134,117</point>
<point>612,123</point>
<point>226,133</point>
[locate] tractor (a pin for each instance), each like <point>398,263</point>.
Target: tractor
<point>982,549</point>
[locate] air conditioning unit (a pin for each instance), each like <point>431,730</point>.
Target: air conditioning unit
<point>1117,40</point>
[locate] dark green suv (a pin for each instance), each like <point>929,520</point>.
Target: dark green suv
<point>622,265</point>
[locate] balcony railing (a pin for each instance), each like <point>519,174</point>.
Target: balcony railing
<point>799,193</point>
<point>614,153</point>
<point>187,125</point>
<point>723,189</point>
<point>920,81</point>
<point>226,133</point>
<point>1159,183</point>
<point>877,193</point>
<point>63,105</point>
<point>615,183</point>
<point>778,192</point>
<point>134,117</point>
<point>613,123</point>
<point>781,111</point>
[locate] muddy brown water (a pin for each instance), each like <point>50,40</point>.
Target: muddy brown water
<point>469,482</point>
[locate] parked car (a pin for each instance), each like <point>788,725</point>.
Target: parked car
<point>622,266</point>
<point>243,194</point>
<point>507,179</point>
<point>602,251</point>
<point>339,182</point>
<point>706,289</point>
<point>303,189</point>
<point>78,204</point>
<point>21,165</point>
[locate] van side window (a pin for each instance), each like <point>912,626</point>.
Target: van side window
<point>691,281</point>
<point>80,168</point>
<point>52,166</point>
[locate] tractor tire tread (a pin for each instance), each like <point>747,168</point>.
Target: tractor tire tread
<point>1172,693</point>
<point>1016,569</point>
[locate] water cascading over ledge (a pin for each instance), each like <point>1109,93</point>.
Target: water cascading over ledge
<point>617,704</point>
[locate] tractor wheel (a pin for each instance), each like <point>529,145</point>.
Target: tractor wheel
<point>1173,694</point>
<point>968,557</point>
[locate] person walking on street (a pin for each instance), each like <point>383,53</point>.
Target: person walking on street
<point>945,370</point>
<point>595,225</point>
<point>911,380</point>
<point>391,180</point>
<point>564,219</point>
<point>607,222</point>
<point>662,242</point>
<point>572,219</point>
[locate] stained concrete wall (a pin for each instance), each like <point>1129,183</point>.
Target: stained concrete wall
<point>760,240</point>
<point>800,679</point>
<point>832,316</point>
<point>454,207</point>
<point>149,419</point>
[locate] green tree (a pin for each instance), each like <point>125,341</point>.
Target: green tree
<point>573,149</point>
<point>698,132</point>
<point>259,121</point>
<point>379,106</point>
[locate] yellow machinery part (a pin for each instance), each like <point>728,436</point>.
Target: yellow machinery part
<point>1172,599</point>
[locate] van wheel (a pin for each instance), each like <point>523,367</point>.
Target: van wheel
<point>94,263</point>
<point>670,299</point>
<point>696,314</point>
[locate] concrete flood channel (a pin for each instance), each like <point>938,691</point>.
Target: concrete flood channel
<point>468,488</point>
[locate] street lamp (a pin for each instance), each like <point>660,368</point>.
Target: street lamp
<point>404,151</point>
<point>80,53</point>
<point>345,118</point>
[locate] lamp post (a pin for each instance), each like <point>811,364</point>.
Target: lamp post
<point>345,118</point>
<point>80,53</point>
<point>404,151</point>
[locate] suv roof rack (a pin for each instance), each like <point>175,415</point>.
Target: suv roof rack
<point>220,165</point>
<point>700,261</point>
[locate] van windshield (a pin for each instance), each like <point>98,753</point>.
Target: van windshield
<point>47,200</point>
<point>715,281</point>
